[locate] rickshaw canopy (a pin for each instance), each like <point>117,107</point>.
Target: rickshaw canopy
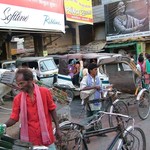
<point>122,73</point>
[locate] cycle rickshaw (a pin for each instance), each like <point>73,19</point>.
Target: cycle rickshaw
<point>125,77</point>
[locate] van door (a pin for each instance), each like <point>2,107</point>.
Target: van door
<point>47,71</point>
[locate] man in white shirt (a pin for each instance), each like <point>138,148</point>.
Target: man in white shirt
<point>91,89</point>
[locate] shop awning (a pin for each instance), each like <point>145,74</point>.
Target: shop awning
<point>116,45</point>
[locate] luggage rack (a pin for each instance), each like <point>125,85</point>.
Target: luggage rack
<point>8,78</point>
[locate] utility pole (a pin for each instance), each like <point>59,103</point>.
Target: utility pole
<point>77,37</point>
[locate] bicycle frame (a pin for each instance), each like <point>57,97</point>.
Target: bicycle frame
<point>120,129</point>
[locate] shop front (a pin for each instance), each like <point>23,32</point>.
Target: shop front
<point>36,19</point>
<point>132,49</point>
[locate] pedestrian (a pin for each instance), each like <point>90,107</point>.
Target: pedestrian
<point>131,56</point>
<point>76,79</point>
<point>91,89</point>
<point>84,70</point>
<point>146,70</point>
<point>36,109</point>
<point>140,63</point>
<point>71,68</point>
<point>92,84</point>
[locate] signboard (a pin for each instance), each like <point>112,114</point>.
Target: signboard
<point>79,11</point>
<point>13,51</point>
<point>45,53</point>
<point>41,15</point>
<point>126,20</point>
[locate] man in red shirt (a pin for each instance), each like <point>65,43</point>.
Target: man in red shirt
<point>35,107</point>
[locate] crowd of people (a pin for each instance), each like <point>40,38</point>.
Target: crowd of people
<point>35,108</point>
<point>84,74</point>
<point>78,69</point>
<point>143,65</point>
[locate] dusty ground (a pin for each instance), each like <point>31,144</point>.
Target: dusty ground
<point>4,116</point>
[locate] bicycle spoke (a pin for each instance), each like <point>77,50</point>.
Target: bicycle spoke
<point>135,140</point>
<point>71,139</point>
<point>143,106</point>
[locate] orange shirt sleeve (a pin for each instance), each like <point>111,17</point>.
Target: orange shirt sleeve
<point>15,108</point>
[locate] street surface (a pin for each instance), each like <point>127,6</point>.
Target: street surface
<point>101,143</point>
<point>96,143</point>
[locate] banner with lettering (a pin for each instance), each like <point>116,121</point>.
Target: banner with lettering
<point>39,15</point>
<point>79,11</point>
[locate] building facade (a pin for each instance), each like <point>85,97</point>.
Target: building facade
<point>131,43</point>
<point>97,34</point>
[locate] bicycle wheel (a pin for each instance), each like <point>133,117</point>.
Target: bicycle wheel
<point>134,139</point>
<point>120,107</point>
<point>72,138</point>
<point>143,105</point>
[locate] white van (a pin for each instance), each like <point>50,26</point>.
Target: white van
<point>45,68</point>
<point>8,64</point>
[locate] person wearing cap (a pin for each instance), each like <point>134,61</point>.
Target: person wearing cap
<point>71,68</point>
<point>91,85</point>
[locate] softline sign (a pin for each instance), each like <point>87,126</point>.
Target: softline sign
<point>126,20</point>
<point>79,11</point>
<point>41,15</point>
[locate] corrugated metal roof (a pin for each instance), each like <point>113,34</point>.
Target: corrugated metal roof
<point>94,46</point>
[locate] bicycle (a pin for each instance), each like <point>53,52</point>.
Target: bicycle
<point>128,137</point>
<point>141,98</point>
<point>109,103</point>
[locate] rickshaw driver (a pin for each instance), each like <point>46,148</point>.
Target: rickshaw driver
<point>91,85</point>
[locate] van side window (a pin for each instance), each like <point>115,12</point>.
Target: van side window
<point>47,65</point>
<point>33,64</point>
<point>42,67</point>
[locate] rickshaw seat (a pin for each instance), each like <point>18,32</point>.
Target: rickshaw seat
<point>124,81</point>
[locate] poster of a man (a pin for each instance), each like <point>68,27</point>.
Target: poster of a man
<point>126,18</point>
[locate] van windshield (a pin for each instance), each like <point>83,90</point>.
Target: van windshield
<point>47,65</point>
<point>9,66</point>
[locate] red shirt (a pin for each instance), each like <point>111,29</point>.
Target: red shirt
<point>32,115</point>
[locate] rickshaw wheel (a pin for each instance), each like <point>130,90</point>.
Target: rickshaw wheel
<point>118,106</point>
<point>143,105</point>
<point>71,138</point>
